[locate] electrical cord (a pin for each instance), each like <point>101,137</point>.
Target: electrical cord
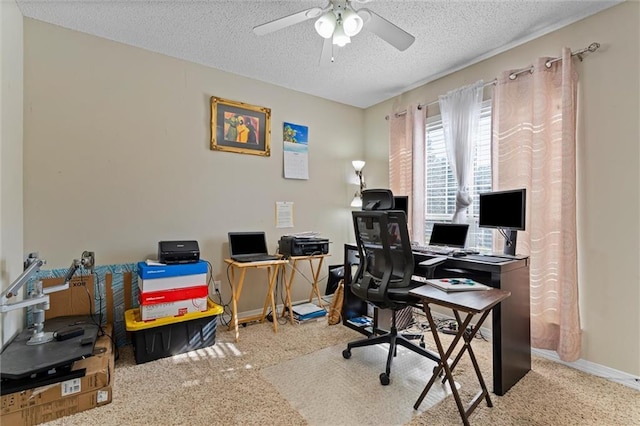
<point>98,323</point>
<point>443,325</point>
<point>225,317</point>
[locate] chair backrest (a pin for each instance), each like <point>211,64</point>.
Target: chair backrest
<point>386,259</point>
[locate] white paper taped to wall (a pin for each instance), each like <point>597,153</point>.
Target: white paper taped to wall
<point>284,214</point>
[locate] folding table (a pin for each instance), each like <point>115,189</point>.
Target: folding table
<point>470,303</point>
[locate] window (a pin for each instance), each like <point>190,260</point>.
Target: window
<point>441,187</point>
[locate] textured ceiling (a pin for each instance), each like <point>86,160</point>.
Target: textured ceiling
<point>449,35</point>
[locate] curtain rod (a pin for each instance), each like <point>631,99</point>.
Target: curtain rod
<point>591,48</point>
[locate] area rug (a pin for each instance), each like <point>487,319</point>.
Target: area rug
<point>327,389</point>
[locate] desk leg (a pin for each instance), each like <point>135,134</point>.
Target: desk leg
<point>235,296</point>
<point>288,284</point>
<point>316,275</point>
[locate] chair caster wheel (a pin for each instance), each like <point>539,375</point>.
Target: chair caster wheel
<point>384,379</point>
<point>346,354</point>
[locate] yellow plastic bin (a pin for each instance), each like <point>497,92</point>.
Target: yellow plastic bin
<point>170,336</point>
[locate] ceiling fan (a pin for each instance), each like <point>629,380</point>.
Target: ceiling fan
<point>338,22</point>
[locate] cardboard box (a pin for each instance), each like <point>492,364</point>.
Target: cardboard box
<point>171,283</point>
<point>76,300</point>
<point>99,374</point>
<point>165,271</point>
<point>59,408</point>
<point>171,309</point>
<point>166,296</point>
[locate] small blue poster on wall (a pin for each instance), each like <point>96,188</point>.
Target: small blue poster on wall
<point>296,151</point>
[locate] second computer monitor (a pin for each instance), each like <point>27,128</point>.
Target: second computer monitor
<point>449,234</point>
<point>401,202</point>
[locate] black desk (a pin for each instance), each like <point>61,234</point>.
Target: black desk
<point>511,324</point>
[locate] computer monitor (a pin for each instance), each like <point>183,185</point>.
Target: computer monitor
<point>505,211</point>
<point>449,234</point>
<point>401,202</point>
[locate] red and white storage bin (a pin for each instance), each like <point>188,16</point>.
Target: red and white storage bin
<point>172,290</point>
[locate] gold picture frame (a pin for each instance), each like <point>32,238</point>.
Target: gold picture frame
<point>239,127</point>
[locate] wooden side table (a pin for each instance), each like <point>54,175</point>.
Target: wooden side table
<point>471,303</point>
<point>315,273</point>
<point>272,267</point>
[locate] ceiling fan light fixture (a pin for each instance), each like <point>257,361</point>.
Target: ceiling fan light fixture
<point>340,38</point>
<point>326,24</point>
<point>351,22</point>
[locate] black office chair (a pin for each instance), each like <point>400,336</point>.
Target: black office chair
<point>384,275</point>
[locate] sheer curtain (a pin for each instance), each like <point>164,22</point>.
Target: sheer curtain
<point>534,144</point>
<point>460,110</point>
<point>406,164</point>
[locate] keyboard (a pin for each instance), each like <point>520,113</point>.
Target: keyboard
<point>254,258</point>
<point>433,249</point>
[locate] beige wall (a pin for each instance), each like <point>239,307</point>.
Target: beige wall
<point>608,170</point>
<point>11,87</point>
<point>117,158</point>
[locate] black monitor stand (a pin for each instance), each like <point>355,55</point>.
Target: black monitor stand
<point>511,237</point>
<point>33,363</point>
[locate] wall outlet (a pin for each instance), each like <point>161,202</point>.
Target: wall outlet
<point>216,285</point>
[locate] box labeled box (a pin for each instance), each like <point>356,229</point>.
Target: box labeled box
<point>171,336</point>
<point>166,296</point>
<point>59,408</point>
<point>98,374</point>
<point>171,283</point>
<point>166,271</point>
<point>171,309</point>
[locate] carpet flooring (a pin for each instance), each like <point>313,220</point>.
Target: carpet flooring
<point>237,384</point>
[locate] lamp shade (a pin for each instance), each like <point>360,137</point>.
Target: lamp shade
<point>326,24</point>
<point>358,165</point>
<point>351,22</point>
<point>339,37</point>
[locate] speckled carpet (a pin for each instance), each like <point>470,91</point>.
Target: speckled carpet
<point>233,384</point>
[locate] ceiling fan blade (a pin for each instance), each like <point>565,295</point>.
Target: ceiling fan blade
<point>387,31</point>
<point>326,56</point>
<point>287,21</point>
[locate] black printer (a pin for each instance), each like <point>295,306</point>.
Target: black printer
<point>291,245</point>
<point>171,252</point>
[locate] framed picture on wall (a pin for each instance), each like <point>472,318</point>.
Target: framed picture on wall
<point>240,127</point>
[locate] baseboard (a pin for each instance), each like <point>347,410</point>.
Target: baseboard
<point>588,367</point>
<point>598,370</point>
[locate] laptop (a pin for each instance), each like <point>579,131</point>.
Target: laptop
<point>249,247</point>
<point>448,236</point>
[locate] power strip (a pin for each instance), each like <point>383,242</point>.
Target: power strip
<point>454,332</point>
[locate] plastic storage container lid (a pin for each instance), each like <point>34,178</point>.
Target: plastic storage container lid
<point>134,323</point>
